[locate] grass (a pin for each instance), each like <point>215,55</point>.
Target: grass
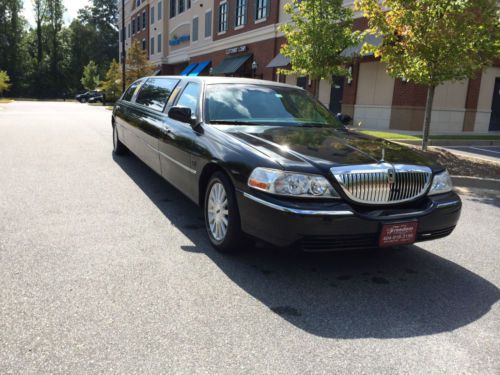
<point>408,137</point>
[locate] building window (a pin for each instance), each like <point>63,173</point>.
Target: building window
<point>144,44</point>
<point>261,9</point>
<point>139,24</point>
<point>182,4</point>
<point>172,8</point>
<point>128,31</point>
<point>160,10</point>
<point>241,12</point>
<point>152,45</point>
<point>152,18</point>
<point>133,26</point>
<point>223,17</point>
<point>138,3</point>
<point>189,4</point>
<point>208,24</point>
<point>194,33</point>
<point>144,20</point>
<point>159,43</point>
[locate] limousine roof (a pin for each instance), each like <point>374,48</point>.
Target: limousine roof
<point>210,80</point>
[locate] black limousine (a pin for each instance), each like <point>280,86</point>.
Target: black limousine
<point>268,161</point>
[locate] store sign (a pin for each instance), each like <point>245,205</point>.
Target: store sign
<point>234,50</point>
<point>175,41</point>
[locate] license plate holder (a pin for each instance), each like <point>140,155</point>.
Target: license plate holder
<point>395,234</point>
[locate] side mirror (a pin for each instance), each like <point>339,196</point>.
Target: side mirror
<point>344,119</point>
<point>182,114</point>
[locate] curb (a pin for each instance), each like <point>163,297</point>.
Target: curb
<point>453,142</point>
<point>476,182</point>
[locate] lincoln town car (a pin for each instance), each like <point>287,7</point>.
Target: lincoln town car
<point>268,161</point>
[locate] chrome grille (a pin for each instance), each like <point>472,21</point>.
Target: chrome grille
<point>383,183</point>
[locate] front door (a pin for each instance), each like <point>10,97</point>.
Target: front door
<point>495,108</point>
<point>336,94</point>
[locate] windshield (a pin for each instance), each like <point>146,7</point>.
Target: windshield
<point>244,104</point>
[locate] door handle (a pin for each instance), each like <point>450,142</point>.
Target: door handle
<point>166,130</point>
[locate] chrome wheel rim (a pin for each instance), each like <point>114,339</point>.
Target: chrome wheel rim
<point>217,211</point>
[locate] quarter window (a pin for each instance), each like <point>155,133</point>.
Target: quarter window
<point>130,91</point>
<point>223,17</point>
<point>190,97</point>
<point>261,9</point>
<point>241,12</point>
<point>155,93</point>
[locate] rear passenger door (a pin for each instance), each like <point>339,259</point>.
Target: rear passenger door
<point>176,143</point>
<point>148,118</point>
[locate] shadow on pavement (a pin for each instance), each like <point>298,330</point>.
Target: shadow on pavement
<point>382,294</point>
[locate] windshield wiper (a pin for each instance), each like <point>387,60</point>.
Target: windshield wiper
<point>232,122</point>
<point>310,125</point>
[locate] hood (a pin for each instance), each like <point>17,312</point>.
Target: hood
<point>323,148</point>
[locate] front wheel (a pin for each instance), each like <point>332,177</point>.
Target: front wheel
<point>222,218</point>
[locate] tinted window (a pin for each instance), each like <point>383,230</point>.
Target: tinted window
<point>189,97</point>
<point>264,105</point>
<point>155,93</point>
<point>130,92</point>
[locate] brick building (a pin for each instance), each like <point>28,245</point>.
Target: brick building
<point>242,38</point>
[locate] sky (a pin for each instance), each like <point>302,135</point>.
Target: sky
<point>72,7</point>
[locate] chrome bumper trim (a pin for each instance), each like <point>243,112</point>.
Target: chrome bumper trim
<point>297,210</point>
<point>447,204</point>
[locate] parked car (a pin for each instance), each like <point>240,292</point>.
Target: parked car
<point>267,160</point>
<point>90,97</point>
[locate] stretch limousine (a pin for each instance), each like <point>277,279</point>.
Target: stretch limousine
<point>267,161</point>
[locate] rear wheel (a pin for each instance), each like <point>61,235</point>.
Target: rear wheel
<point>118,147</point>
<point>222,218</point>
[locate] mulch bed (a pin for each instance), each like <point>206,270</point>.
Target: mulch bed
<point>459,165</point>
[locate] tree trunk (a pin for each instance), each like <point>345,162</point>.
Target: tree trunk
<point>427,118</point>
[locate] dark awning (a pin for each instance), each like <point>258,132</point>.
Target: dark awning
<point>188,69</point>
<point>200,68</point>
<point>230,64</point>
<point>356,51</point>
<point>279,61</point>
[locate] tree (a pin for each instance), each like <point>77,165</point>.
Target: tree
<point>137,63</point>
<point>113,83</point>
<point>318,33</point>
<point>430,42</point>
<point>90,79</point>
<point>4,81</point>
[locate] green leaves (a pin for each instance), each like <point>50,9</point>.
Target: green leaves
<point>4,81</point>
<point>318,33</point>
<point>90,79</point>
<point>112,85</point>
<point>433,41</point>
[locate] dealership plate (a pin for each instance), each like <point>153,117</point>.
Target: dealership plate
<point>398,234</point>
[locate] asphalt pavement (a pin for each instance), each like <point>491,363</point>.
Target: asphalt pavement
<point>106,268</point>
<point>481,152</point>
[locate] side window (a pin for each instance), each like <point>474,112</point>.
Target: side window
<point>155,93</point>
<point>190,97</point>
<point>130,91</point>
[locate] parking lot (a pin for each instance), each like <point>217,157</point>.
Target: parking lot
<point>106,268</point>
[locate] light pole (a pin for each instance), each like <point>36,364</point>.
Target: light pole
<point>123,46</point>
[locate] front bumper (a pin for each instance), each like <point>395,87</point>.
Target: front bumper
<point>329,226</point>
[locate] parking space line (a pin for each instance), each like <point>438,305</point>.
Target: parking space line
<point>484,149</point>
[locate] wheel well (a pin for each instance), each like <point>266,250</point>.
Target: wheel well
<point>207,172</point>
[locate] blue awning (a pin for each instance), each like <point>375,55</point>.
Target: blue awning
<point>188,69</point>
<point>201,66</point>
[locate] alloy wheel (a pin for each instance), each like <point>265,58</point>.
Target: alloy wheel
<point>217,212</point>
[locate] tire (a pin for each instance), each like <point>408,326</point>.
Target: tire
<point>222,217</point>
<point>118,147</point>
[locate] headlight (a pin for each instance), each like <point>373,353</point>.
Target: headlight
<point>441,184</point>
<point>292,184</point>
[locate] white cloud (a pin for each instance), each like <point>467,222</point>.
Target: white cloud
<point>72,7</point>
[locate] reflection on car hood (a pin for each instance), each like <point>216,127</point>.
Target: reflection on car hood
<point>323,147</point>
